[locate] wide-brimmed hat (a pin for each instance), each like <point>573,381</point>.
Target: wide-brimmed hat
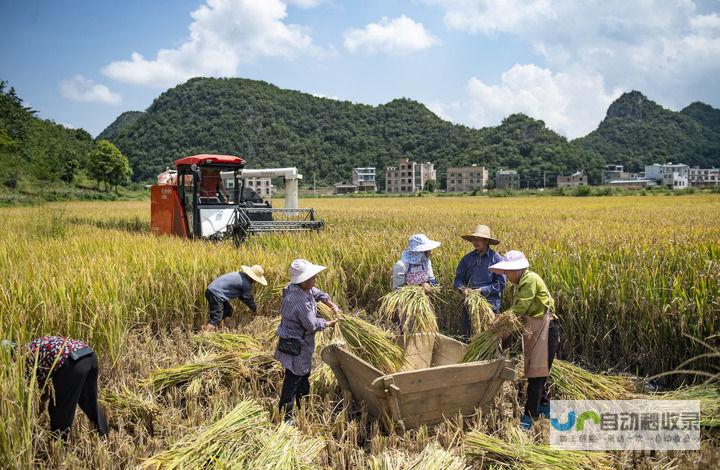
<point>481,231</point>
<point>301,270</point>
<point>420,242</point>
<point>512,261</point>
<point>256,273</point>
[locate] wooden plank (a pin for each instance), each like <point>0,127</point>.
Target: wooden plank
<point>360,375</point>
<point>446,376</point>
<point>447,351</point>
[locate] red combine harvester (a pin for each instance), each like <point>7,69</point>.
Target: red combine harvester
<point>207,198</point>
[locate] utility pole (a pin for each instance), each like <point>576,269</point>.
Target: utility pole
<point>543,181</point>
<point>314,191</point>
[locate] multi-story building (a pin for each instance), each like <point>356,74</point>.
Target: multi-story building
<point>576,179</point>
<point>467,178</point>
<point>262,186</point>
<point>613,172</point>
<point>408,176</point>
<point>507,179</point>
<point>671,175</point>
<point>701,177</point>
<point>364,179</point>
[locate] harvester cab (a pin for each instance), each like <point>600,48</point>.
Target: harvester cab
<point>208,197</point>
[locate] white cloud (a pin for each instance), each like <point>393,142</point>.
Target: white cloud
<point>399,36</point>
<point>662,47</point>
<point>571,103</point>
<point>79,88</point>
<point>223,35</point>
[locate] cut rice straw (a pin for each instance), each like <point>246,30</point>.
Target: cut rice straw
<point>570,382</point>
<point>493,451</point>
<point>226,364</point>
<point>411,309</point>
<point>709,396</point>
<point>229,342</point>
<point>486,344</point>
<point>480,311</point>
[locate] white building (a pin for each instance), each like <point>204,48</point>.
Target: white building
<point>701,177</point>
<point>262,186</point>
<point>408,176</point>
<point>671,175</point>
<point>364,179</point>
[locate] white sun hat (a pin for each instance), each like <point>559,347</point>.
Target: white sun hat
<point>301,270</point>
<point>512,261</point>
<point>256,273</point>
<point>420,242</point>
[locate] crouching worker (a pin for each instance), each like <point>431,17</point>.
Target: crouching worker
<point>235,285</point>
<point>71,366</point>
<point>532,302</point>
<point>296,334</point>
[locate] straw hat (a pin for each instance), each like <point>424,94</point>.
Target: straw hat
<point>256,273</point>
<point>513,260</point>
<point>481,231</point>
<point>301,270</point>
<point>420,243</point>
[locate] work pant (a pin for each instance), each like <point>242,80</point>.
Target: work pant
<point>75,383</point>
<point>294,388</point>
<point>536,391</point>
<point>219,309</point>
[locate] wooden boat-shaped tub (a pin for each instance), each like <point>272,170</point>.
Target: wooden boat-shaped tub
<point>432,386</point>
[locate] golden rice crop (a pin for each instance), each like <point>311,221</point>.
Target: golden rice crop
<point>570,382</point>
<point>480,311</point>
<point>411,309</point>
<point>229,364</point>
<point>709,397</point>
<point>239,343</point>
<point>486,344</point>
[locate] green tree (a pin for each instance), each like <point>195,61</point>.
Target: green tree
<point>107,164</point>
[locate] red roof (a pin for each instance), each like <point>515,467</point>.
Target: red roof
<point>199,159</point>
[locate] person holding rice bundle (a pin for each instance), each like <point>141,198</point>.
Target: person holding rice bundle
<point>473,273</point>
<point>534,305</point>
<point>296,333</point>
<point>414,266</point>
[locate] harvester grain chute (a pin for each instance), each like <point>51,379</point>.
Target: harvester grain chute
<point>207,197</point>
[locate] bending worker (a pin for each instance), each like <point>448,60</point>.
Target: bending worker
<point>473,273</point>
<point>71,367</point>
<point>296,334</point>
<point>414,266</point>
<point>535,306</point>
<point>235,285</point>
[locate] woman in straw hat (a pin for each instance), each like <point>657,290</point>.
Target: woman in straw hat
<point>535,306</point>
<point>234,285</point>
<point>473,273</point>
<point>298,324</point>
<point>414,266</point>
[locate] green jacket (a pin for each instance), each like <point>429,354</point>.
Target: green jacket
<point>531,296</point>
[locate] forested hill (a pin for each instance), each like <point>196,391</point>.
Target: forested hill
<point>638,131</point>
<point>273,127</point>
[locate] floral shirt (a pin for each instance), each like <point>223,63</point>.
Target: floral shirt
<point>51,352</point>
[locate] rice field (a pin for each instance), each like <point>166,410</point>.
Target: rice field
<point>634,279</point>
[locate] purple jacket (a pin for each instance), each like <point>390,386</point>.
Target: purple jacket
<point>298,319</point>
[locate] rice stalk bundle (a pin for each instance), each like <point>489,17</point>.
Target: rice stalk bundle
<point>226,364</point>
<point>570,382</point>
<point>129,403</point>
<point>494,451</point>
<point>367,341</point>
<point>486,344</point>
<point>480,311</point>
<point>709,396</point>
<point>239,343</point>
<point>225,440</point>
<point>433,457</point>
<point>285,448</point>
<point>322,380</point>
<point>411,306</point>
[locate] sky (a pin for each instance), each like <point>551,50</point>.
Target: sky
<point>81,63</point>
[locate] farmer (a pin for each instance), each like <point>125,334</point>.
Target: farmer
<point>414,266</point>
<point>296,334</point>
<point>235,285</point>
<point>71,366</point>
<point>473,273</point>
<point>534,305</point>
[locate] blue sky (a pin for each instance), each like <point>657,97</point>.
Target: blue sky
<point>82,63</point>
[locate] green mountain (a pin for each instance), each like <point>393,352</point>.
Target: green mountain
<point>638,131</point>
<point>273,127</point>
<point>36,149</point>
<point>124,120</point>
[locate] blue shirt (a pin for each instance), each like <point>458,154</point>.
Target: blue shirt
<point>299,320</point>
<point>234,285</point>
<point>473,273</point>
